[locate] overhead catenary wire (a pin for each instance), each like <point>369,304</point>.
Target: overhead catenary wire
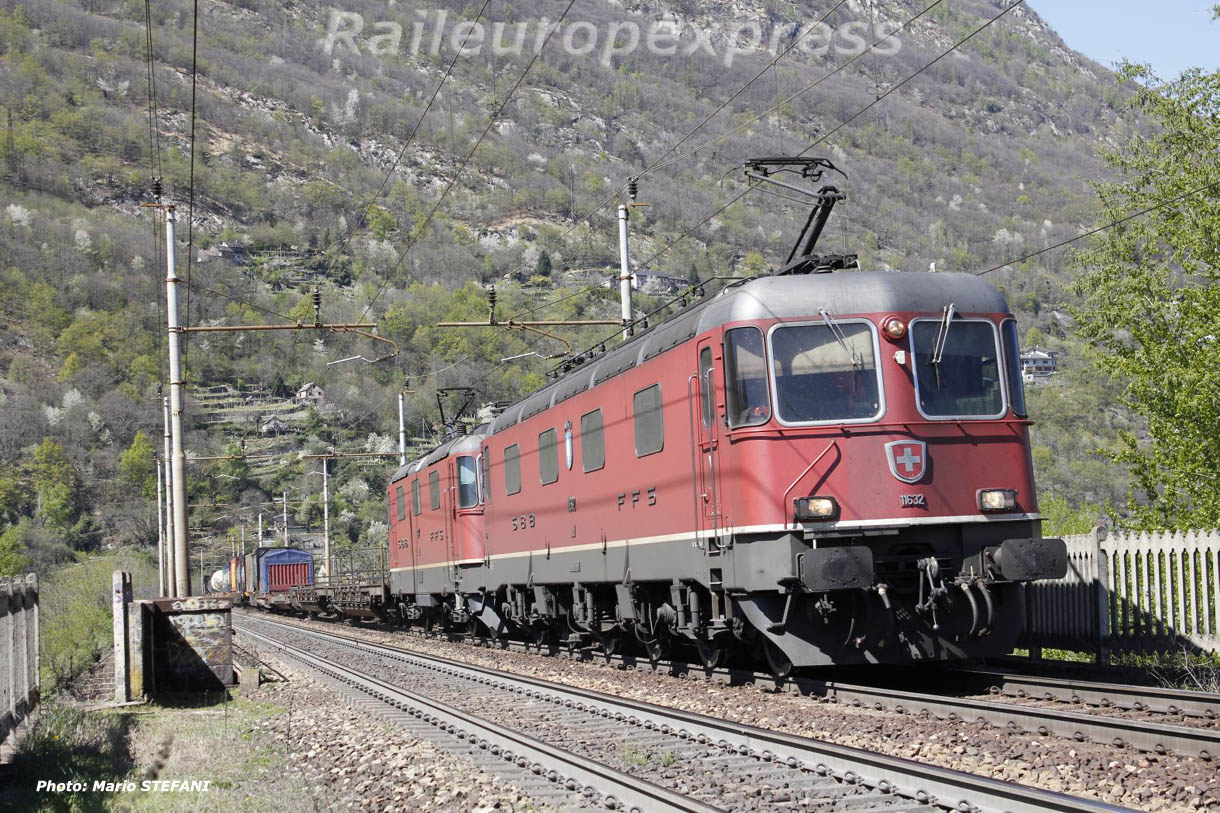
<point>414,238</point>
<point>1014,5</point>
<point>364,210</point>
<point>1099,229</point>
<point>659,164</point>
<point>156,172</point>
<point>190,212</point>
<point>859,112</point>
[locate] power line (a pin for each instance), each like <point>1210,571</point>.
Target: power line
<point>1133,216</point>
<point>410,136</point>
<point>190,212</point>
<point>659,164</point>
<point>858,113</point>
<point>898,86</point>
<point>711,142</point>
<point>411,241</point>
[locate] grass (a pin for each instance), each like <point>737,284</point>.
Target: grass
<point>75,616</point>
<point>217,741</point>
<point>68,745</point>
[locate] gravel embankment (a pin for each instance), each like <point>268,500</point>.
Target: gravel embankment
<point>353,761</point>
<point>1117,776</point>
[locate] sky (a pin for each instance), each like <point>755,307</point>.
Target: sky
<point>1170,35</point>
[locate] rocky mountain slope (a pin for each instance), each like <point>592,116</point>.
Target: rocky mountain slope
<point>307,142</point>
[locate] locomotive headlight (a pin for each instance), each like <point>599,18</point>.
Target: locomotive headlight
<point>894,328</point>
<point>815,508</point>
<point>997,499</point>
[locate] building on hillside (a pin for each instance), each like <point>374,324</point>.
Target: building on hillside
<point>311,395</point>
<point>1038,365</point>
<point>275,425</point>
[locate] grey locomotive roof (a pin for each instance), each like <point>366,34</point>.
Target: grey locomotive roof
<point>786,297</point>
<point>461,443</point>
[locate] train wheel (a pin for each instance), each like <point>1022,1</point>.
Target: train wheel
<point>710,655</point>
<point>779,663</point>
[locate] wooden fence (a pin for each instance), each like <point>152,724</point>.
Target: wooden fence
<point>1148,592</point>
<point>18,651</point>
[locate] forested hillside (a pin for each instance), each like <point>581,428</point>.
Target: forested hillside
<point>312,167</point>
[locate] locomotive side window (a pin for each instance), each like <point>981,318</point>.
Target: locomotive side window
<point>649,424</point>
<point>1012,368</point>
<point>400,503</point>
<point>706,403</point>
<point>512,469</point>
<point>592,441</point>
<point>434,489</point>
<point>548,457</point>
<point>957,369</point>
<point>745,378</point>
<point>467,487</point>
<point>485,484</point>
<point>826,372</point>
<point>417,507</point>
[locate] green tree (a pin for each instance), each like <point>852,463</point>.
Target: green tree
<point>1151,297</point>
<point>12,552</point>
<point>136,466</point>
<point>56,484</point>
<point>543,267</point>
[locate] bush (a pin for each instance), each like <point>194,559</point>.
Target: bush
<point>75,613</point>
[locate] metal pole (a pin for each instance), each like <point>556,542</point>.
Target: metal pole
<point>160,527</point>
<point>402,432</point>
<point>326,515</point>
<point>260,529</point>
<point>624,278</point>
<point>243,540</point>
<point>182,570</point>
<point>285,519</point>
<point>171,584</point>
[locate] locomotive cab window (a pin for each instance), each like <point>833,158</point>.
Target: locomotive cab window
<point>417,507</point>
<point>745,377</point>
<point>512,469</point>
<point>649,423</point>
<point>467,487</point>
<point>400,503</point>
<point>548,457</point>
<point>1012,368</point>
<point>826,372</point>
<point>957,368</point>
<point>592,441</point>
<point>434,489</point>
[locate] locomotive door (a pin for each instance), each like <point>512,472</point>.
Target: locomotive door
<point>709,512</point>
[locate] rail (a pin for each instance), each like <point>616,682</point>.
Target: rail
<point>18,651</point>
<point>918,782</point>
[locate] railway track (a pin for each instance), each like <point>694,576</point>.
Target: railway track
<point>675,760</point>
<point>1143,732</point>
<point>1151,699</point>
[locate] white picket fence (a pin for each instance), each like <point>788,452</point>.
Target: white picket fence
<point>18,651</point>
<point>1147,592</point>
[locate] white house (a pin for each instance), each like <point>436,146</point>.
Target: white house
<point>1038,365</point>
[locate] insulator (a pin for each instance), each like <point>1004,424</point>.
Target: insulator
<point>156,188</point>
<point>633,188</point>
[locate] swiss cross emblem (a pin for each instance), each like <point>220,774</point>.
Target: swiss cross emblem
<point>908,459</point>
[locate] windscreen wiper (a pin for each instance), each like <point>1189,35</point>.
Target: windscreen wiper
<point>942,339</point>
<point>841,338</point>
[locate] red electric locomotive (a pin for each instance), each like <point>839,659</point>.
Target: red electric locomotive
<point>827,467</point>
